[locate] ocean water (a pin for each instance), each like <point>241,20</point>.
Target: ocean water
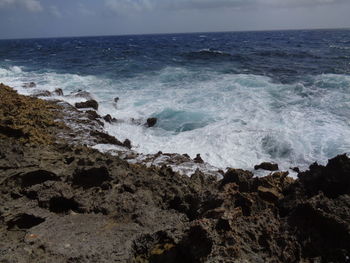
<point>236,98</point>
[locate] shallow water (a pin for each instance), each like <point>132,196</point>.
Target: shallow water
<point>236,98</point>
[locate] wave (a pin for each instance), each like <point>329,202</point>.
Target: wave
<point>207,54</point>
<point>284,54</point>
<point>236,120</point>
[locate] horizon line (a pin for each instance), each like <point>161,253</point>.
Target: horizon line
<point>180,33</point>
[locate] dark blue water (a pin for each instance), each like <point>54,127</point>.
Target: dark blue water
<point>237,98</point>
<point>282,55</point>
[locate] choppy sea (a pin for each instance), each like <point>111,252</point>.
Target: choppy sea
<point>237,98</point>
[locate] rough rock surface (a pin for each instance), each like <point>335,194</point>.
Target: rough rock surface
<point>70,203</point>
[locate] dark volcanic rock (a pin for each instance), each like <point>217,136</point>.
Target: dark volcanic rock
<point>198,159</point>
<point>267,166</point>
<point>151,122</point>
<point>87,104</point>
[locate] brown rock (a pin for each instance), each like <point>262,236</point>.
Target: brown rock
<point>267,166</point>
<point>87,104</point>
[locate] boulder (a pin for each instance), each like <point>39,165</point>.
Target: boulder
<point>87,104</point>
<point>151,122</point>
<point>58,92</point>
<point>267,166</point>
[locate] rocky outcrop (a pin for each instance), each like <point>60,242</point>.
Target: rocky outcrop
<point>151,122</point>
<point>87,104</point>
<point>70,203</point>
<point>267,166</point>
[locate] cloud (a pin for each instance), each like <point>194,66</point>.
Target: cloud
<point>84,10</point>
<point>126,6</point>
<point>30,5</point>
<point>55,11</point>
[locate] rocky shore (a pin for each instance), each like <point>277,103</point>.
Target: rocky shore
<point>62,201</point>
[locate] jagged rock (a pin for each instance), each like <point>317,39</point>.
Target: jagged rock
<point>70,203</point>
<point>87,104</point>
<point>240,177</point>
<point>269,194</point>
<point>267,166</point>
<point>198,159</point>
<point>151,122</point>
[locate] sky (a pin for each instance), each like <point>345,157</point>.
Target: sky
<point>57,18</point>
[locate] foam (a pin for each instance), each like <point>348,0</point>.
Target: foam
<point>235,120</point>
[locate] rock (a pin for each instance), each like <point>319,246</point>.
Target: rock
<point>151,122</point>
<point>127,143</point>
<point>43,93</point>
<point>267,166</point>
<point>29,85</point>
<point>240,177</point>
<point>333,180</point>
<point>116,99</point>
<point>87,104</point>
<point>58,92</point>
<point>295,169</point>
<point>198,159</point>
<point>108,118</point>
<point>93,115</point>
<point>269,194</point>
<point>105,138</point>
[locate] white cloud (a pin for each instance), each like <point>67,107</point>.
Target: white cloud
<point>30,5</point>
<point>126,6</point>
<point>123,6</point>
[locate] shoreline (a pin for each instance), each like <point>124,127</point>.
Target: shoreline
<point>66,202</point>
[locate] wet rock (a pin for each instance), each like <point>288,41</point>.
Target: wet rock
<point>43,93</point>
<point>105,138</point>
<point>87,104</point>
<point>198,159</point>
<point>108,118</point>
<point>29,85</point>
<point>127,143</point>
<point>93,115</point>
<point>267,166</point>
<point>58,92</point>
<point>295,169</point>
<point>151,122</point>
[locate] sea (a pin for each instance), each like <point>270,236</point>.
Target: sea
<point>236,98</point>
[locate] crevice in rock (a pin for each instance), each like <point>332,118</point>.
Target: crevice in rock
<point>24,221</point>
<point>89,178</point>
<point>37,177</point>
<point>62,205</point>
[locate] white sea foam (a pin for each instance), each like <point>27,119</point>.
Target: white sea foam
<point>235,120</point>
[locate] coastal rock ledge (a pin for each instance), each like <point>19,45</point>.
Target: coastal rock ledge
<point>63,202</point>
